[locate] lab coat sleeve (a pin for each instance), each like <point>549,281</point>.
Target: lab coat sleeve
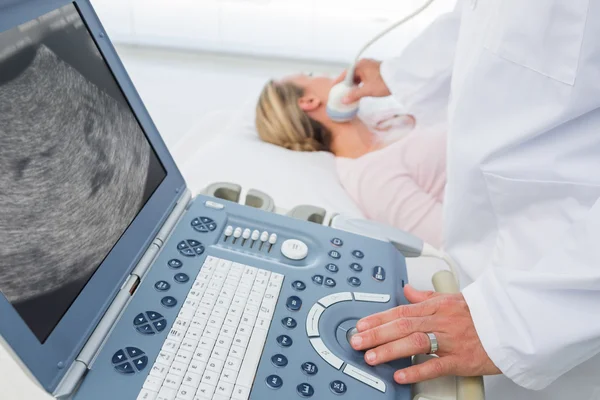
<point>538,324</point>
<point>420,77</point>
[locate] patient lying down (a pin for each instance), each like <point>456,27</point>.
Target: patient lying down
<point>395,178</point>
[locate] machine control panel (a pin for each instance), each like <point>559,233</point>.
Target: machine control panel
<point>242,304</point>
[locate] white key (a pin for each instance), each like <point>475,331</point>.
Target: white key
<point>237,352</point>
<point>224,265</point>
<point>153,383</point>
<point>146,394</point>
<point>186,313</point>
<point>202,354</point>
<point>181,324</point>
<point>178,369</point>
<point>214,323</point>
<point>227,331</point>
<point>250,363</point>
<point>220,397</point>
<point>176,335</point>
<point>203,312</point>
<point>254,300</point>
<point>220,353</point>
<point>206,343</point>
<point>326,354</point>
<point>211,332</point>
<point>275,277</point>
<point>198,324</point>
<point>241,340</point>
<point>266,311</point>
<point>193,334</point>
<point>229,376</point>
<point>371,297</point>
<point>233,363</point>
<point>240,393</point>
<point>205,391</point>
<point>188,344</point>
<point>248,319</point>
<point>186,393</point>
<point>184,356</point>
<point>195,294</point>
<point>224,389</point>
<point>251,310</point>
<point>244,329</point>
<point>365,377</point>
<point>191,379</point>
<point>215,365</point>
<point>170,346</point>
<point>166,393</point>
<point>335,298</point>
<point>165,358</point>
<point>262,323</point>
<point>172,382</point>
<point>159,370</point>
<point>312,319</point>
<point>224,341</point>
<point>219,312</point>
<point>210,377</point>
<point>231,321</point>
<point>197,367</point>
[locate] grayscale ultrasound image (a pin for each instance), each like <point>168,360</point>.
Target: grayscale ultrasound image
<point>75,170</point>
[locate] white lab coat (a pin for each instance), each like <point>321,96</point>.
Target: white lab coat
<point>522,211</point>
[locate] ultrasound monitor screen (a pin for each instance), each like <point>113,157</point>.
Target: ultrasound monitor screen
<point>75,166</point>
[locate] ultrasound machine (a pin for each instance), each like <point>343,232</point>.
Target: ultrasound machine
<point>116,284</point>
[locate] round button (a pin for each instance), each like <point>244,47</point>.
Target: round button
<point>289,322</point>
<point>284,341</point>
<point>335,254</point>
<point>162,286</point>
<point>329,282</point>
<point>294,249</point>
<point>337,242</point>
<point>318,279</point>
<point>182,278</point>
<point>279,360</point>
<point>338,387</point>
<point>299,285</point>
<point>356,267</point>
<point>175,263</point>
<point>274,382</point>
<point>354,281</point>
<point>293,303</point>
<point>305,390</point>
<point>309,368</point>
<point>332,268</point>
<point>358,254</point>
<point>169,301</point>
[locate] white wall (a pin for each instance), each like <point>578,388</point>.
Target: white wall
<point>324,30</point>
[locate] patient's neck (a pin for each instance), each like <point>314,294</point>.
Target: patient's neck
<point>351,139</point>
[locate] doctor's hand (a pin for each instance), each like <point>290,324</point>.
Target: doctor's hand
<point>368,75</point>
<point>401,332</point>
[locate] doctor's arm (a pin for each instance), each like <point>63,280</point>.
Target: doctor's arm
<point>419,78</point>
<point>531,325</point>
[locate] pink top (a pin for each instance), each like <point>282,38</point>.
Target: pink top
<point>402,184</point>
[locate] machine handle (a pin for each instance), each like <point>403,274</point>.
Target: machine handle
<point>467,388</point>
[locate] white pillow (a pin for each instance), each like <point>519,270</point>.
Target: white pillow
<point>237,155</point>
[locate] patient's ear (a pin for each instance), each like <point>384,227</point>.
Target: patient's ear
<point>309,103</point>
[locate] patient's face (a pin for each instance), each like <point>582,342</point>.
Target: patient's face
<point>318,86</point>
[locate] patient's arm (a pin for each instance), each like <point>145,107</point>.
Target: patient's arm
<point>392,196</point>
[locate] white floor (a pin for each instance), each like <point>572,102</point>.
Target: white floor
<point>178,88</point>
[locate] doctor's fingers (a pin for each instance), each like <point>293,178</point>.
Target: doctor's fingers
<point>431,369</point>
<point>423,309</point>
<point>416,343</point>
<point>394,330</point>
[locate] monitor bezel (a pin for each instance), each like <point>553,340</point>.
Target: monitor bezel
<point>48,362</point>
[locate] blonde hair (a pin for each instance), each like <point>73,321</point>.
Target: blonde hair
<point>281,121</point>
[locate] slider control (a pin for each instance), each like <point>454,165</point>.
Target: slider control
<point>255,236</point>
<point>272,240</point>
<point>237,233</point>
<point>263,238</point>
<point>228,232</point>
<point>245,236</point>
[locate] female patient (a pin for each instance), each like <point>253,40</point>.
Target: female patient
<point>397,181</point>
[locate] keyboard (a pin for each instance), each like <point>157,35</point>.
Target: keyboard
<point>214,347</point>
